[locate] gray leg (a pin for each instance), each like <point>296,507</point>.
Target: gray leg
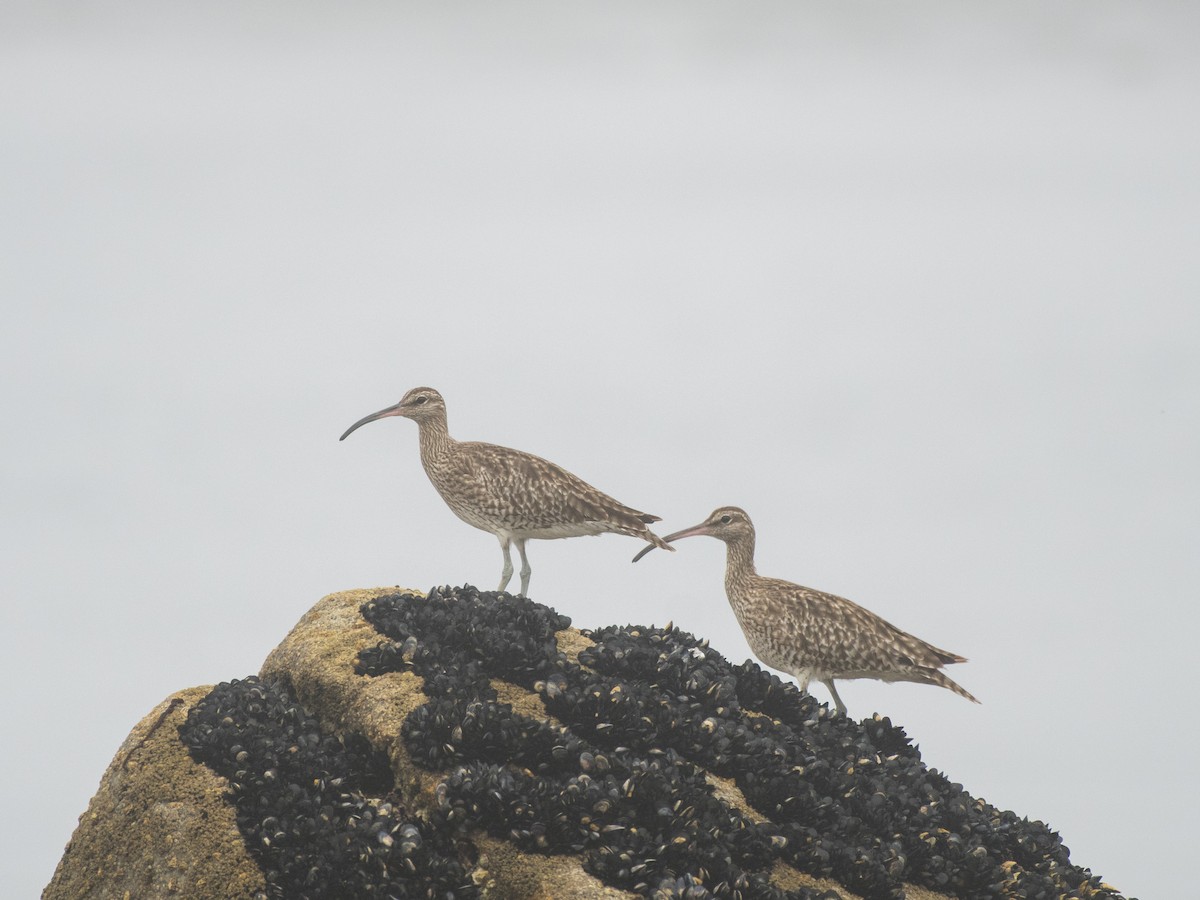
<point>525,569</point>
<point>506,572</point>
<point>802,680</point>
<point>841,707</point>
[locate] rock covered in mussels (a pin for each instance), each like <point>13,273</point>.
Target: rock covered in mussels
<point>641,717</point>
<point>316,808</point>
<point>468,743</point>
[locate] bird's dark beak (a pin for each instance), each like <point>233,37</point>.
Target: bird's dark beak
<point>397,410</point>
<point>702,528</point>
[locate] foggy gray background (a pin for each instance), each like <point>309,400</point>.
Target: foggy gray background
<point>917,287</point>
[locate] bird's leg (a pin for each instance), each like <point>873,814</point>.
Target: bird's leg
<point>841,707</point>
<point>506,572</point>
<point>525,568</point>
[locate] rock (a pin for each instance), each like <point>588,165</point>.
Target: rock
<point>160,825</point>
<point>470,744</point>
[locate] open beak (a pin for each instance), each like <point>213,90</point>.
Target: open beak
<point>702,528</point>
<point>396,410</point>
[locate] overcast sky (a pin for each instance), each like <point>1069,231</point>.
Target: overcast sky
<point>917,287</point>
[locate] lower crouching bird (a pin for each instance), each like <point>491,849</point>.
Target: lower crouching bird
<point>811,635</point>
<point>515,496</point>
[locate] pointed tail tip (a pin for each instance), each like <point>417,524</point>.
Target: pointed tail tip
<point>940,678</point>
<point>963,692</point>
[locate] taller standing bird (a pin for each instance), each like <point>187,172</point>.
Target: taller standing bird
<point>809,634</point>
<point>515,496</point>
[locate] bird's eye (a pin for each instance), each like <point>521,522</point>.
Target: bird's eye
<point>421,399</point>
<point>725,520</point>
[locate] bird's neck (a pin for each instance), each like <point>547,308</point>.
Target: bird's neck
<point>739,563</point>
<point>435,439</point>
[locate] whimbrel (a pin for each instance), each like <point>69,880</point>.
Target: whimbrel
<point>809,634</point>
<point>515,496</point>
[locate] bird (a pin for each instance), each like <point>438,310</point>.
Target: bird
<point>807,633</point>
<point>514,495</point>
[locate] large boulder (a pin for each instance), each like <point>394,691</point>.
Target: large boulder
<point>160,825</point>
<point>467,744</point>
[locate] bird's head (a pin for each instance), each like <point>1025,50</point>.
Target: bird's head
<point>419,403</point>
<point>727,523</point>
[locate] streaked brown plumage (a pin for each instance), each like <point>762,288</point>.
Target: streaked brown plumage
<point>515,496</point>
<point>809,634</point>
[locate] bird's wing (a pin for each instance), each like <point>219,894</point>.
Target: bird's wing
<point>842,636</point>
<point>542,493</point>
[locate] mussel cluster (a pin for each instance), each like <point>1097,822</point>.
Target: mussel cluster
<point>302,803</point>
<point>621,780</point>
<point>618,777</point>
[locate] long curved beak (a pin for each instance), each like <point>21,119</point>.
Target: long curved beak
<point>382,414</point>
<point>695,530</point>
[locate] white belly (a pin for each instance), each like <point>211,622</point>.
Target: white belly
<point>577,529</point>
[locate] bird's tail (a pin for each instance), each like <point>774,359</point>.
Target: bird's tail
<point>947,658</point>
<point>941,679</point>
<point>638,529</point>
<point>655,540</point>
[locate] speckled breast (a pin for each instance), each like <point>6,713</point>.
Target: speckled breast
<point>768,640</point>
<point>474,507</point>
